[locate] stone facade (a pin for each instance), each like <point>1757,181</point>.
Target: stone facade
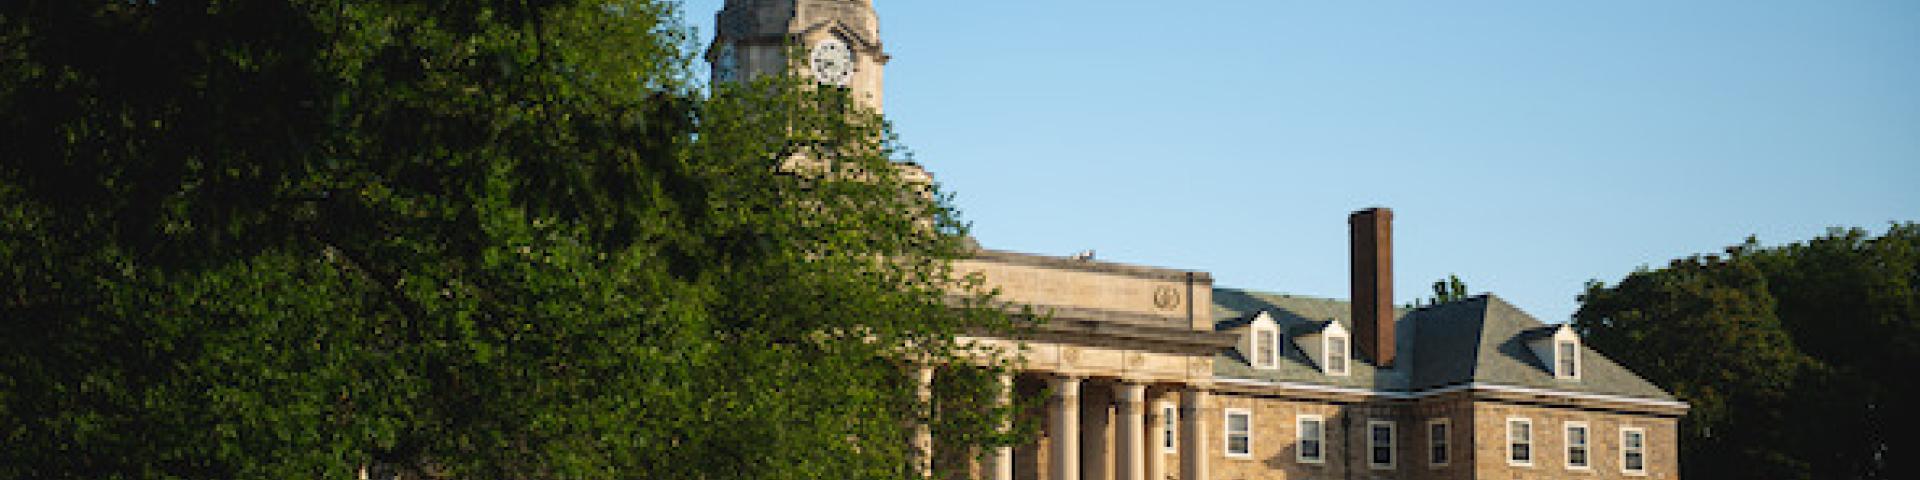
<point>1550,458</point>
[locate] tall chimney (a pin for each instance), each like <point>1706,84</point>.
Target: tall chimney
<point>1373,283</point>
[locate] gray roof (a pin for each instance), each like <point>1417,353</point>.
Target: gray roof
<point>1478,340</point>
<point>1297,315</point>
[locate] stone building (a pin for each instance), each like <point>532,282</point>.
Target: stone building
<point>1157,373</point>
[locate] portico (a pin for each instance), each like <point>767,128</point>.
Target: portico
<point>1107,428</point>
<point>1120,344</point>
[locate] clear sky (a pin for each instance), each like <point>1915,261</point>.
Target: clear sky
<point>1525,146</point>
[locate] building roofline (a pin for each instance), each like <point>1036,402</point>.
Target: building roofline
<point>1478,387</point>
<point>1036,260</point>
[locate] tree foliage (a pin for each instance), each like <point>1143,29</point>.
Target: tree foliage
<point>1450,289</point>
<point>1794,358</point>
<point>473,239</point>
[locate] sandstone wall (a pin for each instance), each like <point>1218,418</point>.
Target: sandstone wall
<point>1549,443</point>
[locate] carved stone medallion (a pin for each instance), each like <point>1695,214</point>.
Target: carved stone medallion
<point>1166,297</point>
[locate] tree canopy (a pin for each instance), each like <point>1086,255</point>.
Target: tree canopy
<point>473,239</point>
<point>1796,359</point>
<point>1450,289</point>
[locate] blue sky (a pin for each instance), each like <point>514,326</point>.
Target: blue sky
<point>1525,146</point>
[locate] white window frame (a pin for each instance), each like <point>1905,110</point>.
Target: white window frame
<point>1573,360</point>
<point>1169,421</point>
<point>1531,452</point>
<point>1392,438</point>
<point>1341,368</point>
<point>1300,438</point>
<point>1269,345</point>
<point>1586,443</point>
<point>1642,450</point>
<point>1445,444</point>
<point>1227,433</point>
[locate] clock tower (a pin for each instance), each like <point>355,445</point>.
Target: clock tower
<point>839,39</point>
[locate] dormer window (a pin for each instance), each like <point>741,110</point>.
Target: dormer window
<point>1260,341</point>
<point>1566,356</point>
<point>1266,348</point>
<point>1558,349</point>
<point>1337,354</point>
<point>1326,344</point>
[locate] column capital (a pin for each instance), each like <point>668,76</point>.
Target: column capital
<point>1129,392</point>
<point>1193,401</point>
<point>1194,394</point>
<point>1065,385</point>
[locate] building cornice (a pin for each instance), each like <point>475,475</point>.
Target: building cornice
<point>1028,259</point>
<point>1672,407</point>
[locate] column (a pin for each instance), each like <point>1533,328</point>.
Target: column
<point>1096,435</point>
<point>1003,456</point>
<point>1156,440</point>
<point>1064,418</point>
<point>1193,434</point>
<point>1130,462</point>
<point>922,429</point>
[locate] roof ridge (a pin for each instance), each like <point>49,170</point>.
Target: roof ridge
<point>1479,333</point>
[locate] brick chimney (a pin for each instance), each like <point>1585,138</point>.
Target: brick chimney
<point>1373,283</point>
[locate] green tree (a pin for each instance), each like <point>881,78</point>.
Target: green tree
<point>475,239</point>
<point>1852,302</point>
<point>1449,290</point>
<point>1444,290</point>
<point>1790,356</point>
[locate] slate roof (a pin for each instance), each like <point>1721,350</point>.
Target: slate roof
<point>1480,340</point>
<point>1296,315</point>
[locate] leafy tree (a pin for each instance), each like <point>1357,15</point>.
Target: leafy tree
<point>1788,355</point>
<point>493,239</point>
<point>1444,290</point>
<point>1449,290</point>
<point>1852,302</point>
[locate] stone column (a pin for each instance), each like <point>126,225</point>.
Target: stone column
<point>1156,440</point>
<point>1096,435</point>
<point>1064,418</point>
<point>1003,456</point>
<point>922,428</point>
<point>1130,435</point>
<point>1193,434</point>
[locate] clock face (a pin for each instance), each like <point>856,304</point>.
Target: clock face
<point>726,65</point>
<point>832,62</point>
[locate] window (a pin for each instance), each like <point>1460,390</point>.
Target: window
<point>1336,355</point>
<point>1633,451</point>
<point>1437,441</point>
<point>1566,359</point>
<point>1263,351</point>
<point>1520,442</point>
<point>1239,433</point>
<point>1167,422</point>
<point>1577,446</point>
<point>1313,434</point>
<point>1380,444</point>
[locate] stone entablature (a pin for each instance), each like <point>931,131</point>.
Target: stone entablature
<point>1101,290</point>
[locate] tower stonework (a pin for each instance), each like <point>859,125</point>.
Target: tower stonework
<point>839,39</point>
